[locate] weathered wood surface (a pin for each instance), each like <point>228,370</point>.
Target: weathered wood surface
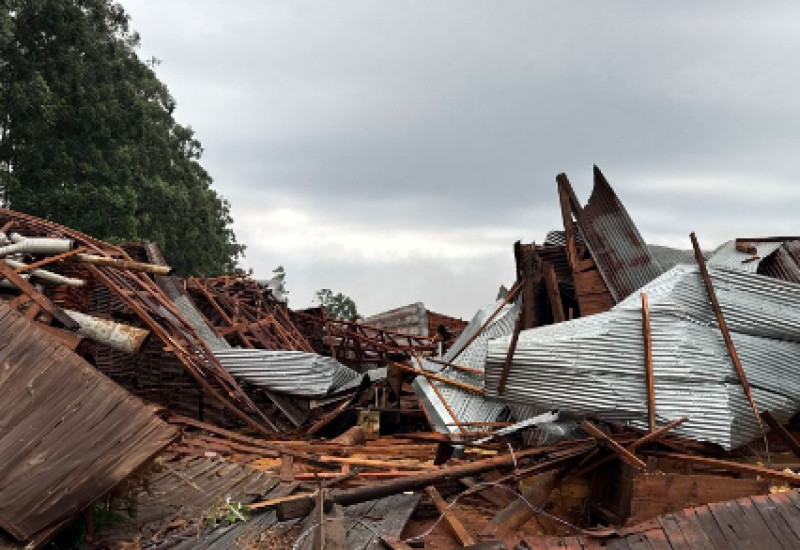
<point>68,434</point>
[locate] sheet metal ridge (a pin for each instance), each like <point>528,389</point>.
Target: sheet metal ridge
<point>621,255</point>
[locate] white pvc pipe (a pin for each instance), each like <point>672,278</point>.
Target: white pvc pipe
<point>47,276</point>
<point>39,246</point>
<point>117,336</point>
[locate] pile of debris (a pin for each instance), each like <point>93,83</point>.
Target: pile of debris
<point>619,395</point>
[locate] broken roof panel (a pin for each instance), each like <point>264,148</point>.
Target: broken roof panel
<point>596,364</point>
<point>290,372</point>
<point>784,263</point>
<point>727,256</point>
<point>466,405</point>
<point>68,434</point>
<point>621,255</point>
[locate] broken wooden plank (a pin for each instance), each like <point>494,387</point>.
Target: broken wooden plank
<point>624,454</point>
<point>787,438</point>
<point>652,436</point>
<point>461,533</point>
<point>440,378</point>
<point>738,467</point>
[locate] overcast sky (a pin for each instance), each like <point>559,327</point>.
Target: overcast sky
<point>395,150</point>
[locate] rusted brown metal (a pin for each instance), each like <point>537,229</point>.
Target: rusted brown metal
<point>127,265</point>
<point>24,286</point>
<point>144,298</point>
<point>68,434</point>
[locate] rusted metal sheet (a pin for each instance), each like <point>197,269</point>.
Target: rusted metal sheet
<point>137,293</point>
<point>68,434</point>
<point>621,255</point>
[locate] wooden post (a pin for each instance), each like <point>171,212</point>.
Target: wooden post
<point>723,327</point>
<point>623,453</point>
<point>648,364</point>
<point>553,294</point>
<point>512,347</point>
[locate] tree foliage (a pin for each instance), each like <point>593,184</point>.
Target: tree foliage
<point>88,138</point>
<point>337,306</point>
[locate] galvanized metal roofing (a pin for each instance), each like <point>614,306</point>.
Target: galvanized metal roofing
<point>726,255</point>
<point>621,255</point>
<point>467,406</point>
<point>784,263</point>
<point>291,372</point>
<point>668,257</point>
<point>596,364</point>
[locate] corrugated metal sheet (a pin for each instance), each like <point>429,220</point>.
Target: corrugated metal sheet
<point>558,237</point>
<point>668,257</point>
<point>621,255</point>
<point>784,263</point>
<point>410,319</point>
<point>726,255</point>
<point>467,406</point>
<point>68,434</point>
<point>291,372</point>
<point>595,364</point>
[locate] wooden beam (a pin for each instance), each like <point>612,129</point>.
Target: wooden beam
<point>439,378</point>
<point>553,294</point>
<point>461,533</point>
<point>50,259</point>
<point>471,370</point>
<point>624,454</point>
<point>738,467</point>
<point>652,436</point>
<point>512,348</point>
<point>648,363</point>
<point>787,438</point>
<point>510,296</point>
<point>43,301</point>
<point>723,326</point>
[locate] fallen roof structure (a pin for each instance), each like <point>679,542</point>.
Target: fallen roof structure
<point>291,372</point>
<point>451,408</point>
<point>68,434</point>
<point>570,401</point>
<point>596,365</point>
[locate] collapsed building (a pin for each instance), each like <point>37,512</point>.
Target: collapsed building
<point>619,393</point>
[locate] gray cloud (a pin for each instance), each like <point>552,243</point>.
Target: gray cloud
<point>437,128</point>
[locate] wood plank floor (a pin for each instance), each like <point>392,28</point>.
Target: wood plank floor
<point>765,522</point>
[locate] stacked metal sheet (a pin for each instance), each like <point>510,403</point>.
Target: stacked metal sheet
<point>595,365</point>
<point>291,372</point>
